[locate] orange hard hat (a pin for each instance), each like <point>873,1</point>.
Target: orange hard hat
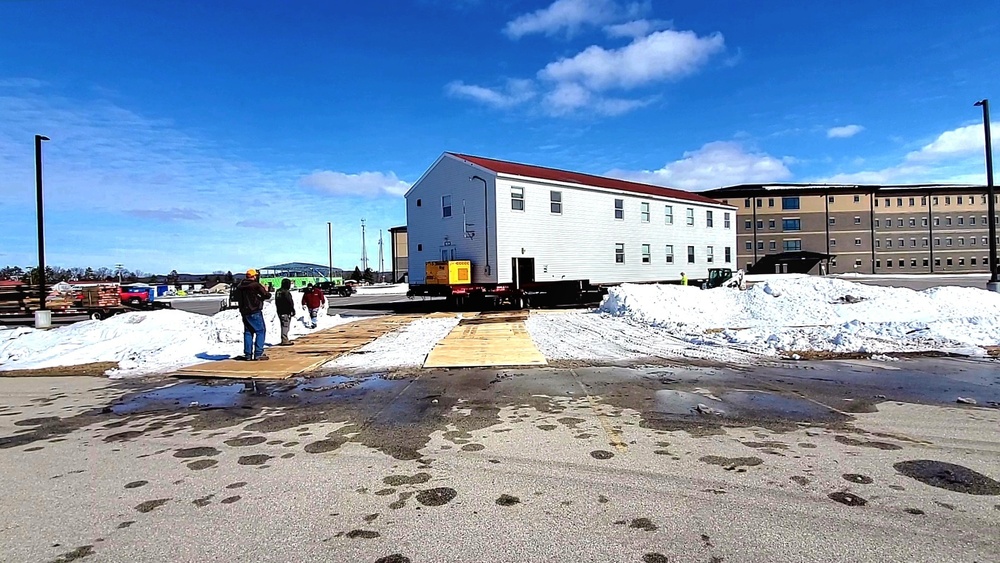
<point>252,273</point>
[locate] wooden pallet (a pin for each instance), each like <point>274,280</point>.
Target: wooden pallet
<point>488,340</point>
<point>309,352</point>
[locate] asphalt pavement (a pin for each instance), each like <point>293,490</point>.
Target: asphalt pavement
<point>801,461</point>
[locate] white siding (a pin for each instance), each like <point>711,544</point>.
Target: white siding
<point>427,229</point>
<point>580,242</point>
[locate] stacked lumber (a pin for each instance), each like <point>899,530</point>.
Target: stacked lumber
<point>100,296</point>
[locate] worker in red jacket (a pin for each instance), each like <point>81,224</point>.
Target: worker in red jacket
<point>313,299</point>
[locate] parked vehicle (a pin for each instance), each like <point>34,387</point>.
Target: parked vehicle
<point>332,288</point>
<point>135,295</point>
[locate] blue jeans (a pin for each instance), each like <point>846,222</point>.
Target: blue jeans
<point>253,326</point>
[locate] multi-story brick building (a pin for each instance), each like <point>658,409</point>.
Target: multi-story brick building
<point>916,228</point>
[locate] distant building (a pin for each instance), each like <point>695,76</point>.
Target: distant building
<point>400,255</point>
<point>900,228</point>
<point>301,273</point>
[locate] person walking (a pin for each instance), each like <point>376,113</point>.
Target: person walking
<point>313,299</point>
<point>684,279</point>
<point>251,296</point>
<point>286,309</point>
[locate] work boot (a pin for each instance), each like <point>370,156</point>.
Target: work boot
<point>263,357</point>
<point>286,343</point>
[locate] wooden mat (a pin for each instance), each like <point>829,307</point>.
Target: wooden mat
<point>487,340</point>
<point>308,353</point>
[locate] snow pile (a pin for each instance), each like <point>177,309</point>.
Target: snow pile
<point>144,342</point>
<point>816,314</point>
<point>384,289</point>
<point>404,348</point>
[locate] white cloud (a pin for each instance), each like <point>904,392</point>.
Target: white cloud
<point>660,56</point>
<point>636,28</point>
<point>716,164</point>
<point>514,92</point>
<point>844,131</point>
<point>567,16</point>
<point>568,97</point>
<point>363,184</point>
<point>963,141</point>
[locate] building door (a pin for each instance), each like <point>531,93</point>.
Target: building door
<point>524,272</point>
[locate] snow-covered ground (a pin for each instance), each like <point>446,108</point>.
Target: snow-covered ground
<point>777,317</point>
<point>384,289</point>
<point>144,342</point>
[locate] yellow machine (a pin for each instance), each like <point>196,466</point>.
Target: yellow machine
<point>449,272</point>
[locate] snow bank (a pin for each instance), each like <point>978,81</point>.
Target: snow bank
<point>819,314</point>
<point>386,289</point>
<point>144,342</point>
<point>405,348</point>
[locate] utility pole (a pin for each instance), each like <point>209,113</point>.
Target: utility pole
<point>994,283</point>
<point>364,249</point>
<point>329,248</point>
<point>381,259</point>
<point>118,268</point>
<point>43,319</point>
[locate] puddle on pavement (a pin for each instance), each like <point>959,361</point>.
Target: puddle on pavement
<point>949,476</point>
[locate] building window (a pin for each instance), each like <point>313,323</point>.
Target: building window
<point>923,222</point>
<point>833,220</point>
<point>972,220</point>
<point>748,224</point>
<point>749,245</point>
<point>619,253</point>
<point>760,245</point>
<point>972,241</point>
<point>644,211</point>
<point>937,241</point>
<point>619,209</point>
<point>899,202</point>
<point>888,263</point>
<point>961,261</point>
<point>923,201</point>
<point>923,242</point>
<point>668,215</point>
<point>725,221</point>
<point>926,262</point>
<point>913,262</point>
<point>878,243</point>
<point>888,202</point>
<point>420,247</point>
<point>710,254</point>
<point>857,220</point>
<point>888,243</point>
<point>770,223</point>
<point>876,201</point>
<point>690,216</point>
<point>709,222</point>
<point>937,261</point>
<point>961,241</point>
<point>829,198</point>
<point>517,199</point>
<point>913,202</point>
<point>446,206</point>
<point>770,202</point>
<point>772,245</point>
<point>960,200</point>
<point>984,241</point>
<point>790,203</point>
<point>902,243</point>
<point>947,241</point>
<point>913,222</point>
<point>646,256</point>
<point>833,242</point>
<point>878,263</point>
<point>555,202</point>
<point>900,262</point>
<point>961,220</point>
<point>857,199</point>
<point>857,263</point>
<point>878,222</point>
<point>760,223</point>
<point>792,245</point>
<point>937,221</point>
<point>746,202</point>
<point>760,202</point>
<point>690,255</point>
<point>899,222</point>
<point>935,202</point>
<point>947,201</point>
<point>729,254</point>
<point>857,242</point>
<point>670,252</point>
<point>418,203</point>
<point>948,262</point>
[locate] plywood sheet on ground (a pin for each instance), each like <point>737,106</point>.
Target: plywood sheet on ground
<point>308,353</point>
<point>491,340</point>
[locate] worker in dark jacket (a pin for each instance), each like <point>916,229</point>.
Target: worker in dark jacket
<point>251,296</point>
<point>313,299</point>
<point>286,309</point>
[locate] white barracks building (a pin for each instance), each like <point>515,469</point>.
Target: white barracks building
<point>547,225</point>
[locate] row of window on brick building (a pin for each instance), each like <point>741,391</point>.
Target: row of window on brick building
<point>792,202</point>
<point>645,251</point>
<point>794,245</point>
<point>796,224</point>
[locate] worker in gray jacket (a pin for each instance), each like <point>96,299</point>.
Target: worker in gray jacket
<point>286,309</point>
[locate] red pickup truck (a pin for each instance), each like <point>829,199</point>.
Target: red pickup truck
<point>134,296</point>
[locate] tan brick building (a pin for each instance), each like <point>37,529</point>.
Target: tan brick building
<point>912,229</point>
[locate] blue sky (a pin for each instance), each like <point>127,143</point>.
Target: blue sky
<point>203,136</point>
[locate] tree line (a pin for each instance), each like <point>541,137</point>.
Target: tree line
<point>56,274</point>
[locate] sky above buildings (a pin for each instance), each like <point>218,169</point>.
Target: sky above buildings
<point>203,136</point>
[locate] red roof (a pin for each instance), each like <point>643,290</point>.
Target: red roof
<point>517,169</point>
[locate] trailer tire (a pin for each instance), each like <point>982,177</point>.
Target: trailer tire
<point>96,316</point>
<point>134,301</point>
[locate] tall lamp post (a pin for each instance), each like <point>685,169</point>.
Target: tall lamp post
<point>43,318</point>
<point>329,250</point>
<point>994,283</point>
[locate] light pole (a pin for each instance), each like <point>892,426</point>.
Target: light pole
<point>119,268</point>
<point>329,250</point>
<point>486,221</point>
<point>994,283</point>
<point>46,317</point>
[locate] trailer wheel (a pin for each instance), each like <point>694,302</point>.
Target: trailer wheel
<point>134,301</point>
<point>96,316</point>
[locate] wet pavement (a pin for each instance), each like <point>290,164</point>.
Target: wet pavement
<point>780,462</point>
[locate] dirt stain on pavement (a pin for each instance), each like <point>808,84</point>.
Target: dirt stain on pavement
<point>124,525</point>
<point>436,497</point>
<point>78,553</point>
<point>324,446</point>
<point>508,500</point>
<point>394,558</point>
<point>601,454</point>
<point>849,499</point>
<point>203,501</point>
<point>151,505</point>
<point>866,444</point>
<point>243,442</point>
<point>400,480</point>
<point>39,421</point>
<point>362,534</point>
<point>237,485</point>
<point>186,453</point>
<point>858,478</point>
<point>371,517</point>
<point>231,500</point>
<point>124,436</point>
<point>644,524</point>
<point>547,427</point>
<point>655,558</point>
<point>256,459</point>
<point>401,502</point>
<point>799,479</point>
<point>136,484</point>
<point>949,476</point>
<point>384,492</point>
<point>731,463</point>
<point>473,448</point>
<point>915,511</point>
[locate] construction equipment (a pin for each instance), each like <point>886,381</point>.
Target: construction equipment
<point>724,277</point>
